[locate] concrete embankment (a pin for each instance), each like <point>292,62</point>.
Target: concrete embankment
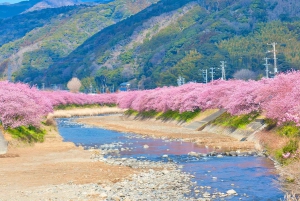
<point>3,144</point>
<point>246,134</point>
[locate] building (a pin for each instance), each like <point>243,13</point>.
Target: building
<point>124,86</point>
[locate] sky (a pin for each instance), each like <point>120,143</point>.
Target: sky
<point>10,1</point>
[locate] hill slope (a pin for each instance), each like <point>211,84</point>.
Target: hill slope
<point>168,39</point>
<point>57,32</point>
<point>153,47</point>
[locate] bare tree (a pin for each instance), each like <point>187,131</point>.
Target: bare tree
<point>74,85</point>
<point>245,74</point>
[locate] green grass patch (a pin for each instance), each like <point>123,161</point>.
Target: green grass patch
<point>148,114</point>
<point>169,115</point>
<point>288,129</point>
<point>130,112</point>
<point>74,106</point>
<point>240,121</point>
<point>176,115</point>
<point>143,114</point>
<point>27,134</point>
<point>291,147</point>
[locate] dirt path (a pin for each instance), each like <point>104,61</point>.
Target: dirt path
<point>160,129</point>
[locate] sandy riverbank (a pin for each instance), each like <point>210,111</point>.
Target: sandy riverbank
<point>54,170</point>
<point>159,129</point>
<point>85,112</point>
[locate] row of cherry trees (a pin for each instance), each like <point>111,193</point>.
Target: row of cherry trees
<point>23,105</point>
<point>277,98</point>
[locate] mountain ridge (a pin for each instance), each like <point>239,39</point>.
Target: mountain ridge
<point>152,46</point>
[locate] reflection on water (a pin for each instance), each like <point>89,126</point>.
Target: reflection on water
<point>253,178</point>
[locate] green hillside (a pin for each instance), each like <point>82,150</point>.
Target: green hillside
<point>195,36</point>
<point>11,10</point>
<point>16,27</point>
<point>166,40</point>
<point>47,42</point>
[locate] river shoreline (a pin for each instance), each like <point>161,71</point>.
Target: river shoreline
<point>55,170</point>
<point>47,165</point>
<point>168,130</point>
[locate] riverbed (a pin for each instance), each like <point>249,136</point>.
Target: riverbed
<point>251,177</point>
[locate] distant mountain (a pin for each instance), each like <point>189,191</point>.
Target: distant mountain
<point>35,40</point>
<point>10,10</point>
<point>52,4</point>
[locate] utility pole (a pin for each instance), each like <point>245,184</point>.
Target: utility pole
<point>267,66</point>
<point>9,72</point>
<point>274,56</point>
<point>212,73</point>
<point>91,88</point>
<point>204,74</point>
<point>180,80</point>
<point>223,65</point>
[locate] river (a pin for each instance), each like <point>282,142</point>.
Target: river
<point>252,177</point>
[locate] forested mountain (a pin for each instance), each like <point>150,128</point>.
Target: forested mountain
<point>156,45</point>
<point>35,40</point>
<point>9,10</point>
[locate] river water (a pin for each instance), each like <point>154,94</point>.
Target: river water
<point>253,178</point>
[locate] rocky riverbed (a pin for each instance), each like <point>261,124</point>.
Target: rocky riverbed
<point>159,181</point>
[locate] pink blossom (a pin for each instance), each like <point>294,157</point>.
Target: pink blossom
<point>287,155</point>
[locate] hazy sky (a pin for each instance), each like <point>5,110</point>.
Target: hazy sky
<point>10,1</point>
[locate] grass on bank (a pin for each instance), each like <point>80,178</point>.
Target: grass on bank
<point>290,131</point>
<point>164,116</point>
<point>28,134</point>
<point>240,121</point>
<point>75,106</point>
<point>282,141</point>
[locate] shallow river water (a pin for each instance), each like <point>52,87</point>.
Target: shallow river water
<point>253,178</point>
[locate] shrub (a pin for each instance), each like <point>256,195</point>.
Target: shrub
<point>291,147</point>
<point>288,129</point>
